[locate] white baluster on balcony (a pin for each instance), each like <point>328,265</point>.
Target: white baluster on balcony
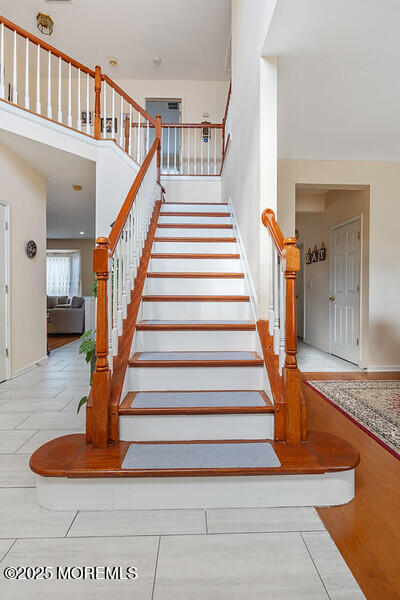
<point>276,303</point>
<point>15,84</point>
<point>182,151</point>
<point>215,151</point>
<point>208,151</point>
<point>69,96</point>
<point>195,152</point>
<point>282,315</point>
<point>79,119</point>
<point>87,104</point>
<point>130,131</point>
<point>139,150</point>
<point>270,245</point>
<point>168,150</point>
<point>59,114</point>
<point>114,304</point>
<point>38,104</point>
<point>147,136</point>
<point>112,115</point>
<point>175,151</point>
<point>27,103</point>
<point>121,120</point>
<point>104,133</point>
<point>49,105</point>
<point>201,151</point>
<point>2,88</point>
<point>188,150</point>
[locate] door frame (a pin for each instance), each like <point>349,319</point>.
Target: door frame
<point>331,230</point>
<point>7,266</point>
<point>301,243</point>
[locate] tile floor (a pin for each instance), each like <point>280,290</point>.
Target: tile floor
<point>219,554</point>
<point>312,360</point>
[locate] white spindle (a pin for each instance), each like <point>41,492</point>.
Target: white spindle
<point>201,150</point>
<point>87,104</point>
<point>147,136</point>
<point>79,119</point>
<point>276,303</point>
<point>2,89</point>
<point>270,244</point>
<point>49,106</point>
<point>27,103</point>
<point>215,151</point>
<point>59,114</point>
<point>109,310</point>
<point>175,152</point>
<point>104,132</point>
<point>112,114</point>
<point>38,105</point>
<point>15,84</point>
<point>124,272</point>
<point>130,130</point>
<point>139,157</point>
<point>121,120</point>
<point>182,132</point>
<point>114,304</point>
<point>208,151</point>
<point>168,150</point>
<point>195,152</point>
<point>282,307</point>
<point>188,150</point>
<point>69,97</point>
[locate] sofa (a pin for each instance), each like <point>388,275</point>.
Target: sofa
<point>65,315</point>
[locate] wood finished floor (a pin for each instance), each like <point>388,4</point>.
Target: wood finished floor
<point>56,341</point>
<point>367,530</point>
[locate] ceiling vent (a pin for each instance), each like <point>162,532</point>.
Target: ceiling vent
<point>173,106</point>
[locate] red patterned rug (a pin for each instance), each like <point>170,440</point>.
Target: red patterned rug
<point>374,406</point>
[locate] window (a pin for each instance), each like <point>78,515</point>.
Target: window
<point>63,273</point>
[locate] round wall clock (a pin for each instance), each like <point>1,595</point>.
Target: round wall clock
<point>31,249</point>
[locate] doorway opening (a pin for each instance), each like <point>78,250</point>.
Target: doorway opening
<point>4,293</point>
<point>332,228</point>
<point>170,111</point>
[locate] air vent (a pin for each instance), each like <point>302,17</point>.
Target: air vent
<point>172,106</point>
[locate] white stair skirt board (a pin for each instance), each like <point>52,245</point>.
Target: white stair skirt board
<point>195,287</point>
<point>206,220</point>
<point>194,232</point>
<point>189,340</point>
<point>186,207</point>
<point>195,265</point>
<point>238,426</point>
<point>196,378</point>
<point>196,247</point>
<point>235,311</point>
<point>61,493</point>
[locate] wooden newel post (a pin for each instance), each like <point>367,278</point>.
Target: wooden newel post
<point>97,93</point>
<point>126,129</point>
<point>290,372</point>
<point>101,385</point>
<point>158,128</point>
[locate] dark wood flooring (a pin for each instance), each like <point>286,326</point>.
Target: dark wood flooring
<point>58,340</point>
<point>367,530</point>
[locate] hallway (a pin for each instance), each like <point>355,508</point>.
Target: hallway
<point>311,359</point>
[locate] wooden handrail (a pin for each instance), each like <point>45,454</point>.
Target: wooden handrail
<point>227,102</point>
<point>119,223</point>
<point>194,125</point>
<point>268,219</point>
<point>128,99</point>
<point>35,40</point>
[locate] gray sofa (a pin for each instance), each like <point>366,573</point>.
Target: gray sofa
<point>65,316</point>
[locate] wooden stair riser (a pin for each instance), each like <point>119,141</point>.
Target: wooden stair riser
<point>203,311</point>
<point>196,427</point>
<point>195,286</point>
<point>196,378</point>
<point>200,265</point>
<point>192,341</point>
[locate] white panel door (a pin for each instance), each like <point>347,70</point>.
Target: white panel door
<point>345,258</point>
<point>3,304</point>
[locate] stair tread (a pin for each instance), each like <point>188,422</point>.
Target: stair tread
<point>194,214</point>
<point>194,298</point>
<point>194,275</point>
<point>210,325</point>
<point>195,203</point>
<point>195,402</point>
<point>194,225</point>
<point>211,240</point>
<point>196,359</point>
<point>195,255</point>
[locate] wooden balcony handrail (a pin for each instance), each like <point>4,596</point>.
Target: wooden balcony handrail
<point>128,99</point>
<point>268,219</point>
<point>194,125</point>
<point>35,40</point>
<point>119,223</point>
<point>227,102</point>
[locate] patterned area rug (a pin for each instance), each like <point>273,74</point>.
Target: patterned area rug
<point>372,405</point>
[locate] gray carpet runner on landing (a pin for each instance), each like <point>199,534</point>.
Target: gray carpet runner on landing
<point>247,455</point>
<point>196,399</point>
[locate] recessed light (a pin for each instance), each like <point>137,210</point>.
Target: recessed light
<point>81,233</point>
<point>113,61</point>
<point>77,188</point>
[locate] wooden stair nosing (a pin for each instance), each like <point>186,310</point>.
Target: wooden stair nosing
<point>228,240</point>
<point>135,362</point>
<point>194,214</point>
<point>187,275</point>
<point>194,226</point>
<point>127,409</point>
<point>195,256</point>
<point>195,327</point>
<point>196,203</point>
<point>70,456</point>
<point>194,298</point>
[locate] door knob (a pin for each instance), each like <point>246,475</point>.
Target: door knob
<point>332,298</point>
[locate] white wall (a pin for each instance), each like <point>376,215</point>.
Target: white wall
<point>193,189</point>
<point>197,96</point>
<point>313,229</point>
<point>249,176</point>
<point>25,192</point>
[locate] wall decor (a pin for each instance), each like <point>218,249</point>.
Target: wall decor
<point>322,252</point>
<point>84,117</point>
<point>31,249</point>
<point>314,255</point>
<point>308,257</point>
<point>109,125</point>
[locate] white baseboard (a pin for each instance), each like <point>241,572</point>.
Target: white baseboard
<point>26,368</point>
<point>382,368</point>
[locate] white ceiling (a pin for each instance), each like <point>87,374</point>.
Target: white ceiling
<point>339,78</point>
<point>68,212</point>
<point>191,36</point>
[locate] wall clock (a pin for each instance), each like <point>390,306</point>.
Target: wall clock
<point>31,249</point>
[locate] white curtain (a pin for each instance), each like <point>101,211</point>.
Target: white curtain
<point>63,274</point>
